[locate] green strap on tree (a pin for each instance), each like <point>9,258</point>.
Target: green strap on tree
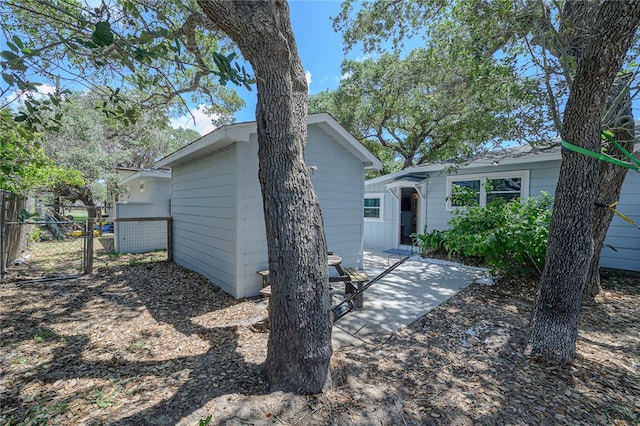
<point>633,165</point>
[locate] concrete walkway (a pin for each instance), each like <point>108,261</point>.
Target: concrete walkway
<point>406,294</point>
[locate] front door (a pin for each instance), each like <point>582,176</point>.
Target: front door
<point>408,214</point>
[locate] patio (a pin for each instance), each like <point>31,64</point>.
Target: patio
<point>398,299</point>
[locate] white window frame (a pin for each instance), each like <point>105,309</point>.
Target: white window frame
<point>380,196</point>
<point>483,177</point>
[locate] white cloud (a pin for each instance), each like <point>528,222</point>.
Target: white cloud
<point>307,75</point>
<point>43,89</point>
<point>346,75</point>
<point>202,124</point>
<point>46,89</point>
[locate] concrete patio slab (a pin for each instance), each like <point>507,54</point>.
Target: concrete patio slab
<point>406,294</point>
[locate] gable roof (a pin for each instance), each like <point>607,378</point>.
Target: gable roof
<point>241,132</point>
<point>143,174</point>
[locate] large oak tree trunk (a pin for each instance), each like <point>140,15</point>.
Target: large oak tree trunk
<point>610,178</point>
<point>554,322</point>
<point>299,346</point>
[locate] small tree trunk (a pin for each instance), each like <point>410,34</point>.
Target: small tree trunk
<point>57,204</point>
<point>610,180</point>
<point>554,321</point>
<point>299,346</point>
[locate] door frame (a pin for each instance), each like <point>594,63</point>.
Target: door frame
<point>395,189</point>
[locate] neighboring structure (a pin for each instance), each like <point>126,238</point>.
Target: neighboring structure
<point>216,203</point>
<point>116,196</point>
<point>149,195</point>
<point>417,198</point>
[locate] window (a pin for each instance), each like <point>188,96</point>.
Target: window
<point>465,192</point>
<point>507,188</point>
<point>486,188</point>
<point>373,207</point>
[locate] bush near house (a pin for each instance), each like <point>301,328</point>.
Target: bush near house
<point>511,237</point>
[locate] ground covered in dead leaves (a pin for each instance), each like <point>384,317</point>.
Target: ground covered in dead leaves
<point>153,343</point>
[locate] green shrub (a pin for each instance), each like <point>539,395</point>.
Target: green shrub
<point>34,234</point>
<point>511,237</point>
<point>433,240</point>
<point>524,235</point>
<point>461,196</point>
<point>472,231</point>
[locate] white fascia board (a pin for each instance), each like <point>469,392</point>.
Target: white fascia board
<point>346,139</point>
<point>125,173</point>
<point>229,134</point>
<point>528,158</point>
<point>214,141</point>
<point>401,183</point>
<point>384,178</point>
<point>403,172</point>
<point>524,159</point>
<point>144,174</point>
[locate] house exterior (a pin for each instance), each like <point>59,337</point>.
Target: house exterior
<point>115,196</point>
<point>418,198</point>
<point>216,203</point>
<point>149,196</point>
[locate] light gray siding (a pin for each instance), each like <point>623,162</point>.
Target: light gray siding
<point>437,215</point>
<point>623,236</point>
<point>338,183</point>
<point>148,197</point>
<point>384,232</point>
<point>141,190</point>
<point>543,176</point>
<point>219,228</point>
<point>136,209</point>
<point>163,197</point>
<point>204,217</point>
<point>251,227</point>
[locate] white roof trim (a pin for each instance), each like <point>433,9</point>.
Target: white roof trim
<point>404,183</point>
<point>241,132</point>
<point>481,162</point>
<point>531,157</point>
<point>143,174</point>
<point>347,140</point>
<point>213,141</point>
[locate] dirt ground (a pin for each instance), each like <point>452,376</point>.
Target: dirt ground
<point>149,343</point>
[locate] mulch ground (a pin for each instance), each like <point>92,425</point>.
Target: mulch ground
<point>152,343</point>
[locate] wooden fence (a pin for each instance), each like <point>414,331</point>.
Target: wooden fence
<point>13,240</point>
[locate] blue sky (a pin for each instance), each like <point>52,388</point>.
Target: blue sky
<point>320,48</point>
